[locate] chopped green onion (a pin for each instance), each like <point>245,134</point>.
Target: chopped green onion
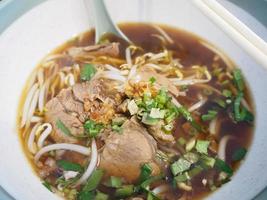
<point>162,97</point>
<point>239,154</point>
<point>186,114</point>
<point>209,116</point>
<point>191,157</point>
<point>114,182</point>
<point>132,107</point>
<point>117,128</point>
<point>152,196</point>
<point>69,166</point>
<point>223,166</point>
<point>182,177</point>
<point>240,112</point>
<point>181,141</point>
<point>101,196</point>
<point>152,80</point>
<point>150,180</point>
<point>146,171</point>
<point>86,195</point>
<point>146,119</point>
<point>207,161</point>
<point>87,72</point>
<point>60,125</point>
<point>179,166</point>
<point>92,128</point>
<point>170,117</point>
<point>238,79</point>
<point>202,146</point>
<point>93,180</point>
<point>124,191</point>
<point>220,102</point>
<point>227,93</point>
<point>157,113</point>
<point>47,185</point>
<point>146,96</point>
<point>195,171</point>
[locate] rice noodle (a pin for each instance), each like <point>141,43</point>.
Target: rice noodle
<point>153,66</point>
<point>27,104</point>
<point>175,102</point>
<point>41,99</point>
<point>132,72</point>
<point>30,143</point>
<point>245,104</point>
<point>114,76</point>
<point>40,76</point>
<point>219,53</point>
<point>197,105</point>
<point>111,68</point>
<point>164,34</point>
<point>69,80</point>
<point>190,81</point>
<point>35,119</point>
<point>46,132</point>
<point>156,57</point>
<point>62,79</point>
<point>128,56</point>
<point>160,189</point>
<point>222,146</point>
<point>32,106</point>
<point>62,146</point>
<point>91,166</point>
<point>213,126</point>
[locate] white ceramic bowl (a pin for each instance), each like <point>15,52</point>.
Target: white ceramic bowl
<point>48,25</point>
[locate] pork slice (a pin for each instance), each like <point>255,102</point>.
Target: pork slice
<point>98,88</point>
<point>71,105</point>
<point>55,112</point>
<point>146,73</point>
<point>125,153</point>
<point>110,49</point>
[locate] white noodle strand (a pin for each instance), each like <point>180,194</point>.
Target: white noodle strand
<point>197,105</point>
<point>91,166</point>
<point>27,104</point>
<point>62,146</point>
<point>222,146</point>
<point>32,106</point>
<point>44,134</point>
<point>30,144</point>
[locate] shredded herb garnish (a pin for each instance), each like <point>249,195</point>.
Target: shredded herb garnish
<point>152,80</point>
<point>239,154</point>
<point>179,166</point>
<point>69,166</point>
<point>240,112</point>
<point>238,79</point>
<point>60,125</point>
<point>87,72</point>
<point>114,182</point>
<point>223,166</point>
<point>209,116</point>
<point>47,185</point>
<point>93,181</point>
<point>124,191</point>
<point>93,128</point>
<point>202,146</point>
<point>146,171</point>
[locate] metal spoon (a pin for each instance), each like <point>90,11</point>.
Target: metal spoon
<point>103,22</point>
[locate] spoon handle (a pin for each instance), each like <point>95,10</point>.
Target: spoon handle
<point>103,22</point>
